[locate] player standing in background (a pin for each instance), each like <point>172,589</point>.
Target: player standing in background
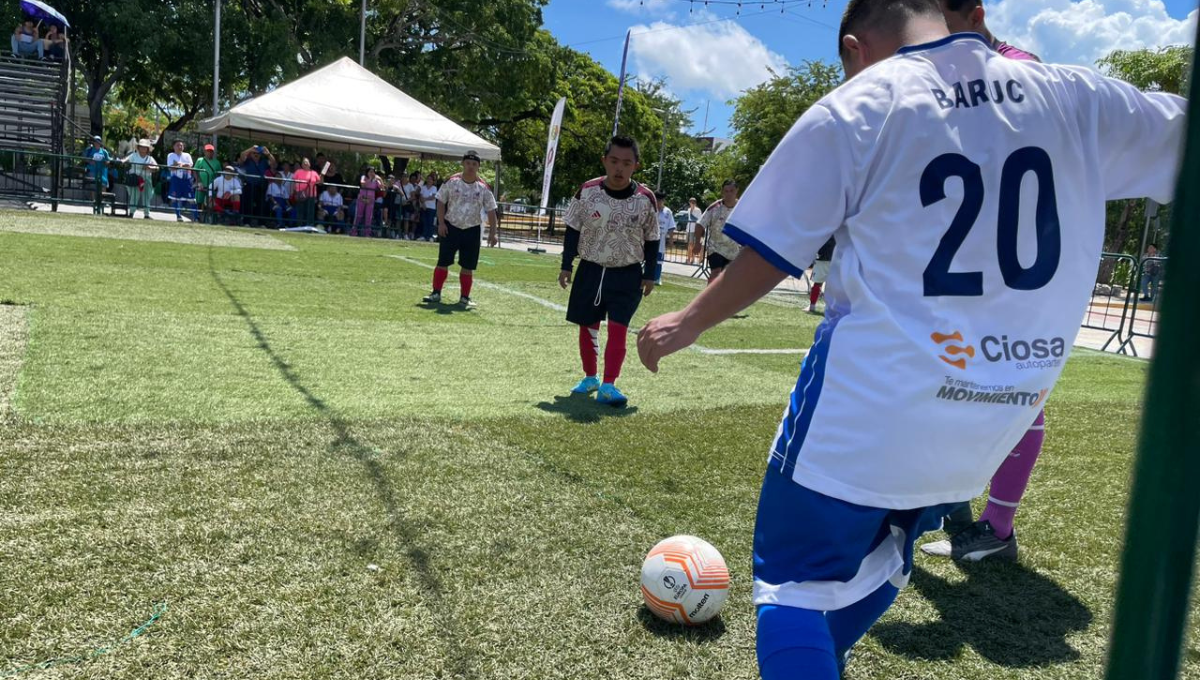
<point>461,201</point>
<point>666,224</point>
<point>993,536</point>
<point>974,158</point>
<point>720,248</point>
<point>820,272</point>
<point>612,225</point>
<point>967,16</point>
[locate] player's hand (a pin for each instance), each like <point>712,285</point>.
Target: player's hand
<point>442,231</point>
<point>564,278</point>
<point>647,288</point>
<point>493,237</point>
<point>663,336</point>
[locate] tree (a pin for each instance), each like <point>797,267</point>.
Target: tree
<point>1166,69</point>
<point>764,114</point>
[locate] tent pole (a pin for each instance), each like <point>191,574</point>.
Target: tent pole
<point>497,192</point>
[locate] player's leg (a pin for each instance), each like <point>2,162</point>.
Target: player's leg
<point>795,643</point>
<point>620,296</point>
<point>582,311</point>
<point>446,251</point>
<point>819,584</point>
<point>468,261</point>
<point>716,264</point>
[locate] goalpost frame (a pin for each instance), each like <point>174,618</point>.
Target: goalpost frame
<point>1164,509</point>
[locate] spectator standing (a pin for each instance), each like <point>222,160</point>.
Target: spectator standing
<point>206,170</point>
<point>364,207</point>
<point>142,166</point>
<point>305,188</point>
<point>98,170</point>
<point>1151,271</point>
<point>695,236</point>
<point>391,204</point>
<point>666,225</point>
<point>429,192</point>
<point>226,193</point>
<point>180,191</point>
<point>330,212</point>
<point>411,211</point>
<point>255,164</point>
<point>25,42</point>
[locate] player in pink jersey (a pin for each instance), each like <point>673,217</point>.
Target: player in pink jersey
<point>993,536</point>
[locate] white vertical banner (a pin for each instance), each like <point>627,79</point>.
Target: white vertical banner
<point>552,150</point>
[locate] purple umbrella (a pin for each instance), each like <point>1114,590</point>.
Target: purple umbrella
<point>40,10</point>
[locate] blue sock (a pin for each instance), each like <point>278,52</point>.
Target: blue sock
<point>847,626</point>
<point>794,644</point>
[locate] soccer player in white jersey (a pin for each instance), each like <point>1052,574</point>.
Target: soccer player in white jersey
<point>721,248</point>
<point>993,536</point>
<point>937,348</point>
<point>461,202</point>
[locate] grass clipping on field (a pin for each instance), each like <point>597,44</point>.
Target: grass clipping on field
<point>14,333</point>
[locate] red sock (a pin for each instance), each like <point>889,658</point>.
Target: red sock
<point>614,351</point>
<point>439,278</point>
<point>465,279</point>
<point>589,348</point>
<point>814,294</point>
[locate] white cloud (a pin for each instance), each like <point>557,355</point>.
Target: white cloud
<point>721,58</point>
<point>1064,31</point>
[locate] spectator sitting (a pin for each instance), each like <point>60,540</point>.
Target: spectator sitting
<point>226,192</point>
<point>330,211</point>
<point>277,194</point>
<point>25,41</point>
<point>54,45</point>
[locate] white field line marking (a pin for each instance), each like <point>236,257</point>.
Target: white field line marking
<point>561,308</point>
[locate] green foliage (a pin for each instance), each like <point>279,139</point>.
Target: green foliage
<point>1165,69</point>
<point>765,113</point>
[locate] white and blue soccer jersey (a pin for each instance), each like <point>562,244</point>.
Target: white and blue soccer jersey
<point>966,192</point>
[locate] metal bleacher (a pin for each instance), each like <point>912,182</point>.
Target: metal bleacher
<point>32,103</point>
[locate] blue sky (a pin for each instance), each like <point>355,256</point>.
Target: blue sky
<point>709,54</point>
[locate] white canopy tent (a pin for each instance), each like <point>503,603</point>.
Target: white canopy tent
<point>346,107</point>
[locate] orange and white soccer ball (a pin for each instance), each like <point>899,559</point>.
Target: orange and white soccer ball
<point>685,580</point>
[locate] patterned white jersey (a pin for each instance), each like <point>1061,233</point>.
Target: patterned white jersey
<point>713,222</point>
<point>967,195</point>
<point>465,202</point>
<point>613,226</point>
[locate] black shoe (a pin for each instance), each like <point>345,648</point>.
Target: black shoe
<point>466,303</point>
<point>980,543</point>
<point>434,298</point>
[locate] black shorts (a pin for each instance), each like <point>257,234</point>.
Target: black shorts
<point>464,242</point>
<point>718,261</point>
<point>604,292</point>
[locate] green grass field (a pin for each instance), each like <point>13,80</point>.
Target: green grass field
<point>322,478</point>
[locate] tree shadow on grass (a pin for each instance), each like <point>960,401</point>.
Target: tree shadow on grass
<point>1011,615</point>
<point>583,408</point>
<point>705,632</point>
<point>406,533</point>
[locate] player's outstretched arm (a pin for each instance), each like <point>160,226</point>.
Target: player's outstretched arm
<point>746,280</point>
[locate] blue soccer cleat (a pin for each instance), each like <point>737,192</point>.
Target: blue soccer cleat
<point>586,386</point>
<point>610,395</point>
